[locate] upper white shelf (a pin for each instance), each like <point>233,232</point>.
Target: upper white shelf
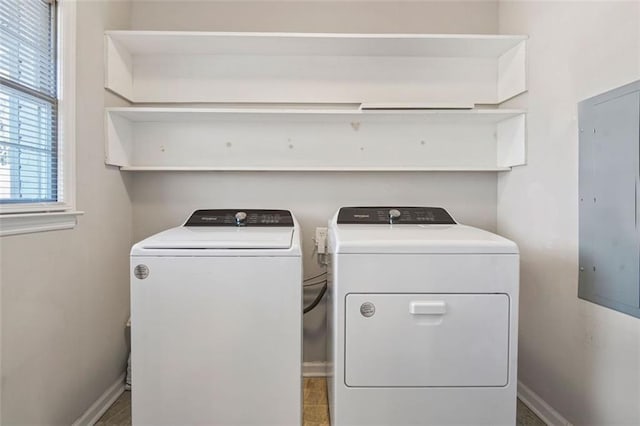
<point>438,69</point>
<point>314,44</point>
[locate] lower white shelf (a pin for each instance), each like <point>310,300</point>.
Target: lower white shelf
<point>214,139</point>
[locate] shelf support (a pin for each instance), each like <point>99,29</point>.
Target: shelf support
<point>511,145</point>
<point>118,76</point>
<point>512,72</point>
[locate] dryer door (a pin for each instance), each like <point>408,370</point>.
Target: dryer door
<point>426,340</point>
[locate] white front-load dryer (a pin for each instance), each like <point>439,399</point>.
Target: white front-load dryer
<point>423,320</point>
<point>216,307</point>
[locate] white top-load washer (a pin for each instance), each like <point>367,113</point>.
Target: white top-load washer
<point>216,308</point>
<point>423,320</point>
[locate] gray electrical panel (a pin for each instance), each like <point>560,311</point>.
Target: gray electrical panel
<point>609,258</point>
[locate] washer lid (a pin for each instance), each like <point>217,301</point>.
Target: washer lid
<point>203,237</point>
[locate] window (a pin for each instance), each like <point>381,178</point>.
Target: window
<point>36,139</point>
<point>28,102</point>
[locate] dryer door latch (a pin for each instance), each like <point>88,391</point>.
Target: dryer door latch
<point>428,307</point>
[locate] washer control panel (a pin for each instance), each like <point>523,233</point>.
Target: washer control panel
<point>393,215</point>
<point>240,217</point>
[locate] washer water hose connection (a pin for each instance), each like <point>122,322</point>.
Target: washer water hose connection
<point>320,295</point>
<point>317,299</point>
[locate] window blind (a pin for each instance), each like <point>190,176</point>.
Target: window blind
<point>29,163</point>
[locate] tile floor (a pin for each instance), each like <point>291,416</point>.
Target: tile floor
<point>316,410</point>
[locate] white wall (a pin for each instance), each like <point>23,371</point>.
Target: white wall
<point>65,294</point>
<point>161,200</point>
<point>581,358</point>
<point>344,16</point>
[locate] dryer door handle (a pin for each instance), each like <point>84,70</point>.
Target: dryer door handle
<point>428,307</point>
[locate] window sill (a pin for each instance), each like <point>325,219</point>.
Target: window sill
<point>25,223</point>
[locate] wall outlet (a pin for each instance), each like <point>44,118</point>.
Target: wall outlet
<point>321,240</point>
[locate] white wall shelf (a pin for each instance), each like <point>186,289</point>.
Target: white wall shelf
<point>436,70</point>
<point>312,139</point>
<point>313,169</point>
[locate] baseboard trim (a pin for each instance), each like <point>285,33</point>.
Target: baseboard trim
<point>102,404</point>
<point>314,369</point>
<point>540,407</point>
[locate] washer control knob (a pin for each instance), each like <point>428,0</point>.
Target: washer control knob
<point>241,218</point>
<point>394,214</point>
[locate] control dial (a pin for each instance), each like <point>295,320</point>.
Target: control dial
<point>241,218</point>
<point>394,215</point>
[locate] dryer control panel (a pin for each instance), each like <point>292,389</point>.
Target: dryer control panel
<point>395,215</point>
<point>240,217</point>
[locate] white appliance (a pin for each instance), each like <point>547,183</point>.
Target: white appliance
<point>423,320</point>
<point>216,307</point>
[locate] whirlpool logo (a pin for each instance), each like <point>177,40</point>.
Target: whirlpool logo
<point>141,272</point>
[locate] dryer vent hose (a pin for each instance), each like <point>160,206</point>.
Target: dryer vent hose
<point>317,300</point>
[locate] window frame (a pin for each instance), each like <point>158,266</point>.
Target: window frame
<point>20,218</point>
